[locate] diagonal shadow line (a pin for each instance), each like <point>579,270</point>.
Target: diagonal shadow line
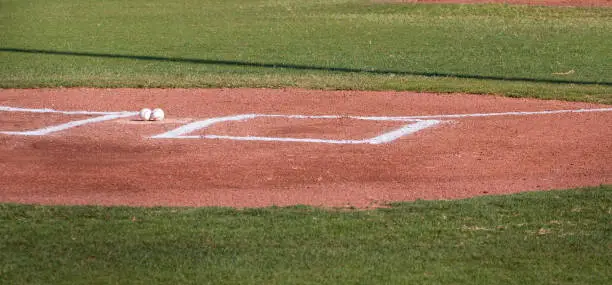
<point>301,67</point>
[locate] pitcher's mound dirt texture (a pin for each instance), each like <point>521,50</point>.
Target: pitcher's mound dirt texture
<point>118,163</point>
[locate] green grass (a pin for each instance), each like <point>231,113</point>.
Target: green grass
<point>555,237</point>
<point>339,44</point>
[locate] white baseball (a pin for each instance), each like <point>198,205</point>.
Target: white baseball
<point>157,114</point>
<point>145,114</point>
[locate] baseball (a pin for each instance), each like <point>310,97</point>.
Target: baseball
<point>157,114</point>
<point>145,114</point>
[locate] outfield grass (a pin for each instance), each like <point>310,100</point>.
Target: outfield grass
<point>559,237</point>
<point>334,44</point>
<point>556,237</point>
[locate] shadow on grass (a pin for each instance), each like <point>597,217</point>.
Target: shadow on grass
<point>299,67</point>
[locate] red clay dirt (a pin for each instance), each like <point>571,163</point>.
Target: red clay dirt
<point>573,3</point>
<point>19,121</point>
<point>333,129</point>
<point>117,163</point>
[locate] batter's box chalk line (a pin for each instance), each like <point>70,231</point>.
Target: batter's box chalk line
<point>414,124</point>
<point>99,117</point>
<point>182,132</point>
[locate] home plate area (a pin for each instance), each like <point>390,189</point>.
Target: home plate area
<point>263,147</point>
<point>331,129</point>
<point>302,125</point>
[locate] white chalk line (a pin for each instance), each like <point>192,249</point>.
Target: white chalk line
<point>208,122</point>
<point>69,125</point>
<point>384,138</point>
<point>182,131</point>
<point>421,122</point>
<point>47,110</point>
<point>273,139</point>
<point>194,126</point>
<point>101,117</point>
<point>447,116</point>
<point>374,118</point>
<point>191,127</point>
<point>458,116</point>
<point>403,131</point>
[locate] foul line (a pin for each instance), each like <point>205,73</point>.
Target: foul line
<point>47,110</point>
<point>69,125</point>
<point>457,116</point>
<point>417,123</point>
<point>102,116</point>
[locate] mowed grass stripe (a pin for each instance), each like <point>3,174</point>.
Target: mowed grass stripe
<point>547,52</point>
<point>555,237</point>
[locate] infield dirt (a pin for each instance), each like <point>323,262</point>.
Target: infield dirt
<point>117,163</point>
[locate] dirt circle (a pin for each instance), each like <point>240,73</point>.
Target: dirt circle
<point>262,147</point>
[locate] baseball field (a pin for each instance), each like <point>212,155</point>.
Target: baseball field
<point>306,142</point>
